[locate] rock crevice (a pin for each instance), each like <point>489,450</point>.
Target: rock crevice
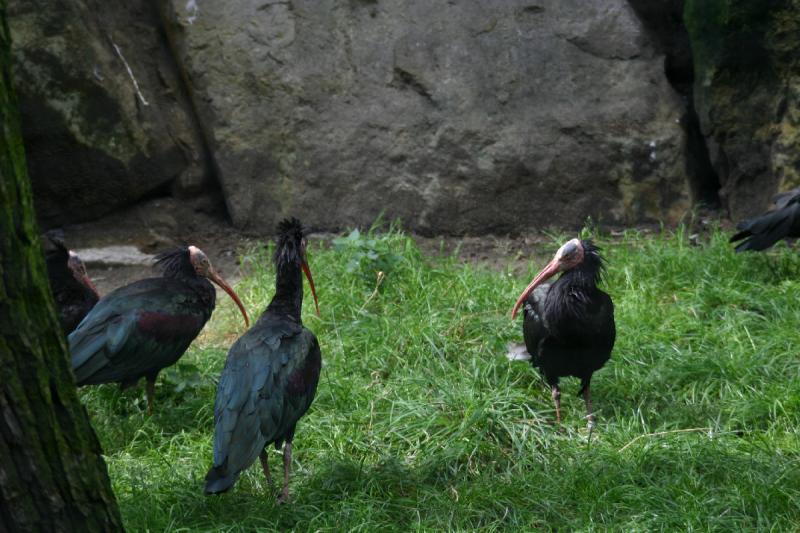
<point>664,23</point>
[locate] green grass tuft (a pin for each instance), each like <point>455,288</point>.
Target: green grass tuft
<point>420,422</point>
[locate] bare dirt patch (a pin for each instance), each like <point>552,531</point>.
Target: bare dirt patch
<point>162,223</point>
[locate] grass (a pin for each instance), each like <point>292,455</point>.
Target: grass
<point>420,422</point>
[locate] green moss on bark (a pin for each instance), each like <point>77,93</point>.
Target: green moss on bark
<point>52,474</point>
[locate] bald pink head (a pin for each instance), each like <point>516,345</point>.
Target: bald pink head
<point>567,257</point>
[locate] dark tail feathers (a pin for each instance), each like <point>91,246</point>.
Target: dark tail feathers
<point>218,480</point>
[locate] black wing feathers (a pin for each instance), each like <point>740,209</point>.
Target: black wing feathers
<point>761,232</point>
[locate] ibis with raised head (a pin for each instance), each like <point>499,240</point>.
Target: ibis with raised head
<point>270,376</point>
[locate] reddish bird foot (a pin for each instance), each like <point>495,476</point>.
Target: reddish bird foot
<point>556,394</point>
<point>287,466</point>
<point>150,391</point>
<point>265,467</point>
<point>587,397</point>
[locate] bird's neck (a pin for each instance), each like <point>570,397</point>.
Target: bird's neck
<point>570,293</point>
<point>202,287</point>
<point>182,270</point>
<point>288,299</point>
<point>583,277</point>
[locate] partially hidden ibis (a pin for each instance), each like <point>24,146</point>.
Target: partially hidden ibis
<point>73,291</point>
<point>568,325</point>
<point>142,328</point>
<point>761,232</point>
<point>270,376</point>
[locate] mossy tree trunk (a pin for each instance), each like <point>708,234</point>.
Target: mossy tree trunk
<point>52,476</point>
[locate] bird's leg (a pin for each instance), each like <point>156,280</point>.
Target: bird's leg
<point>556,393</point>
<point>150,390</point>
<point>587,398</point>
<point>265,466</point>
<point>287,465</point>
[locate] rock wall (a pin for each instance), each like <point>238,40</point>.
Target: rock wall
<point>457,116</point>
<point>104,116</point>
<point>747,94</point>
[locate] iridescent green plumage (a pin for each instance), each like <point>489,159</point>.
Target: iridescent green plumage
<point>270,377</point>
<point>139,329</point>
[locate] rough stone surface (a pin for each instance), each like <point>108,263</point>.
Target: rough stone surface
<point>458,116</point>
<point>747,95</point>
<point>114,255</point>
<point>663,20</point>
<point>92,144</point>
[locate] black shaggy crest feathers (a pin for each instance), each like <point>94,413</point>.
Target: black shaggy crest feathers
<point>58,270</point>
<point>288,243</point>
<point>57,252</point>
<point>57,243</point>
<point>590,271</point>
<point>175,263</point>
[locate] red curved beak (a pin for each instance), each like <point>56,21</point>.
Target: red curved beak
<point>78,270</point>
<point>216,278</point>
<point>88,283</point>
<point>307,272</point>
<point>547,272</point>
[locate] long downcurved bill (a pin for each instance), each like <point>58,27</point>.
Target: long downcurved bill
<point>87,282</point>
<point>216,278</point>
<point>547,272</point>
<point>78,270</point>
<point>307,272</point>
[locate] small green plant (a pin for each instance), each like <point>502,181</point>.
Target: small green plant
<point>180,378</point>
<point>369,254</point>
<point>589,229</point>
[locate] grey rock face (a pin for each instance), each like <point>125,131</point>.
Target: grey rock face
<point>103,118</point>
<point>456,116</point>
<point>115,255</point>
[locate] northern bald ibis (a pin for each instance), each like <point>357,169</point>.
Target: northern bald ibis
<point>141,328</point>
<point>73,290</point>
<point>270,376</point>
<point>569,325</point>
<point>763,231</point>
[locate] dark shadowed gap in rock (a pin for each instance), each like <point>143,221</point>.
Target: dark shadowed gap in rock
<point>703,179</point>
<point>161,191</point>
<point>213,188</point>
<point>664,23</point>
